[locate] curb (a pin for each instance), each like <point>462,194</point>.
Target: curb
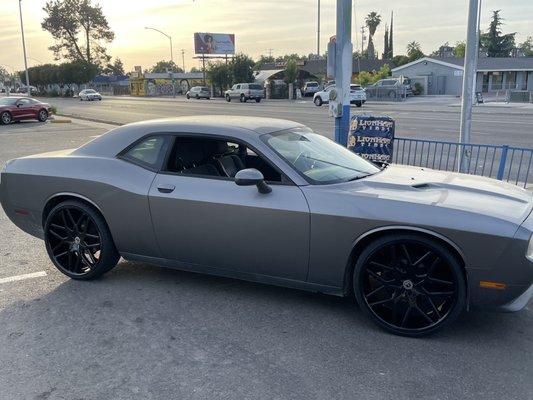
<point>82,118</point>
<point>60,121</point>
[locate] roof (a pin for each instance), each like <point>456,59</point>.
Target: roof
<point>109,78</point>
<point>111,143</point>
<point>319,66</point>
<point>485,64</point>
<point>175,75</point>
<point>264,74</point>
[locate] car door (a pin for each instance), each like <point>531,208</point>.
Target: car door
<point>236,93</point>
<point>209,221</point>
<point>24,109</point>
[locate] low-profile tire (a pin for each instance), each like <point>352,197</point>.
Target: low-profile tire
<point>318,101</point>
<point>242,98</point>
<point>228,98</point>
<point>6,118</point>
<point>258,100</point>
<point>42,116</point>
<point>78,241</point>
<point>409,284</point>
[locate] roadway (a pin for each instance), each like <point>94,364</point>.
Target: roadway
<point>429,118</point>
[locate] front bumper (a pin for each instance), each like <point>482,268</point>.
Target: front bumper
<point>520,302</point>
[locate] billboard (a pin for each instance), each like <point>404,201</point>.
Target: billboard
<point>214,43</point>
<point>372,137</point>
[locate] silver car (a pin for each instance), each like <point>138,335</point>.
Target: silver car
<point>89,95</point>
<point>199,92</point>
<point>245,92</point>
<point>271,201</point>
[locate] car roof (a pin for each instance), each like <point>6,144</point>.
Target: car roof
<point>116,140</point>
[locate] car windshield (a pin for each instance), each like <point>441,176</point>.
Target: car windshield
<point>319,159</point>
<point>7,101</point>
<point>312,83</point>
<point>255,86</point>
<point>90,91</point>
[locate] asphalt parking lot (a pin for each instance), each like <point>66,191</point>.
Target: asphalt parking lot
<point>145,332</point>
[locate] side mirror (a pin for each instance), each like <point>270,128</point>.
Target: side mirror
<point>18,104</point>
<point>251,176</point>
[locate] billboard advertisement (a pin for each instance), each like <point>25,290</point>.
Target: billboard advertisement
<point>372,137</point>
<point>214,43</point>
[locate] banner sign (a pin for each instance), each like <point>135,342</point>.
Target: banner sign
<point>372,137</point>
<point>214,43</point>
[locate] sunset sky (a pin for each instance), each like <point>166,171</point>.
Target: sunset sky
<point>286,26</point>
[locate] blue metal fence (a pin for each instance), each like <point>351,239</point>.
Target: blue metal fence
<point>511,164</point>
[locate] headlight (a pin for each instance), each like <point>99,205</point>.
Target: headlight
<point>529,252</point>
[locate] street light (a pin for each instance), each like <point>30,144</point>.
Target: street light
<point>169,38</point>
<point>24,49</point>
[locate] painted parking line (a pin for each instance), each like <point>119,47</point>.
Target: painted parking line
<point>22,277</point>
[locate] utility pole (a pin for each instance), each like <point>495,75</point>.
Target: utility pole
<point>318,32</point>
<point>343,69</point>
<point>469,77</point>
<point>362,40</point>
<point>183,59</point>
<point>270,52</point>
<point>24,50</point>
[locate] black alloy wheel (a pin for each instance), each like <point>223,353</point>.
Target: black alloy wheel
<point>5,118</point>
<point>78,241</point>
<point>409,285</point>
<point>42,116</point>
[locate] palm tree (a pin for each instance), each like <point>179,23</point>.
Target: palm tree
<point>372,21</point>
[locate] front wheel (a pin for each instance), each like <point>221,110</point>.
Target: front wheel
<point>358,104</point>
<point>242,98</point>
<point>188,97</point>
<point>409,285</point>
<point>78,241</point>
<point>228,98</point>
<point>5,118</point>
<point>42,116</point>
<point>318,101</point>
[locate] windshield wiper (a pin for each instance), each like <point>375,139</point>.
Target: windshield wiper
<point>337,165</point>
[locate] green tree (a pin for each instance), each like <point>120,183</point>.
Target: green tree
<point>459,49</point>
<point>496,43</point>
<point>527,47</point>
<point>372,21</point>
<point>117,68</point>
<point>291,70</point>
<point>365,78</point>
<point>263,60</point>
<point>79,29</point>
<point>219,73</point>
<point>414,52</point>
<point>399,60</point>
<point>242,69</point>
<point>164,66</point>
<point>4,75</point>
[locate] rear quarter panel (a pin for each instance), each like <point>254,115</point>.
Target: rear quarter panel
<point>117,188</point>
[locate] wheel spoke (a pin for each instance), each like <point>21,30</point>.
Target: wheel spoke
<point>374,291</point>
<point>92,246</point>
<point>65,221</point>
<point>440,281</point>
<point>422,258</point>
<point>71,219</point>
<point>435,309</point>
<point>56,226</point>
<point>383,266</point>
<point>62,254</point>
<point>423,314</point>
<point>406,253</point>
<point>57,235</point>
<point>406,317</point>
<point>392,298</point>
<point>380,279</point>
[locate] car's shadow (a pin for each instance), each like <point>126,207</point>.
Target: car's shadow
<point>151,324</point>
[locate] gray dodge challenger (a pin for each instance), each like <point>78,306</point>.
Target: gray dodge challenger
<point>270,201</point>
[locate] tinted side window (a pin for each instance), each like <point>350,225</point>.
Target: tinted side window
<point>147,152</point>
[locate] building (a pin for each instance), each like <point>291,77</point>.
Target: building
<point>163,83</point>
<point>444,76</point>
<point>111,84</point>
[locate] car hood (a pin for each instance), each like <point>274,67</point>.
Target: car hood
<point>452,190</point>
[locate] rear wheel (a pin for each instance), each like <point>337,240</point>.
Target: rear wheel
<point>78,241</point>
<point>409,285</point>
<point>188,97</point>
<point>392,95</point>
<point>318,101</point>
<point>197,96</point>
<point>5,118</point>
<point>42,116</point>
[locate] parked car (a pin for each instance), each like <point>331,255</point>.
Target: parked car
<point>199,92</point>
<point>391,88</point>
<point>357,95</point>
<point>23,89</point>
<point>271,201</point>
<point>21,108</point>
<point>310,88</point>
<point>245,92</point>
<point>89,95</point>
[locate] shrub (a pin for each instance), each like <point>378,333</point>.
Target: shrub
<point>418,89</point>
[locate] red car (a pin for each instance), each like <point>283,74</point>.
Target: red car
<point>19,108</point>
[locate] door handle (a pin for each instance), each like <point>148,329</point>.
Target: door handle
<point>164,188</point>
